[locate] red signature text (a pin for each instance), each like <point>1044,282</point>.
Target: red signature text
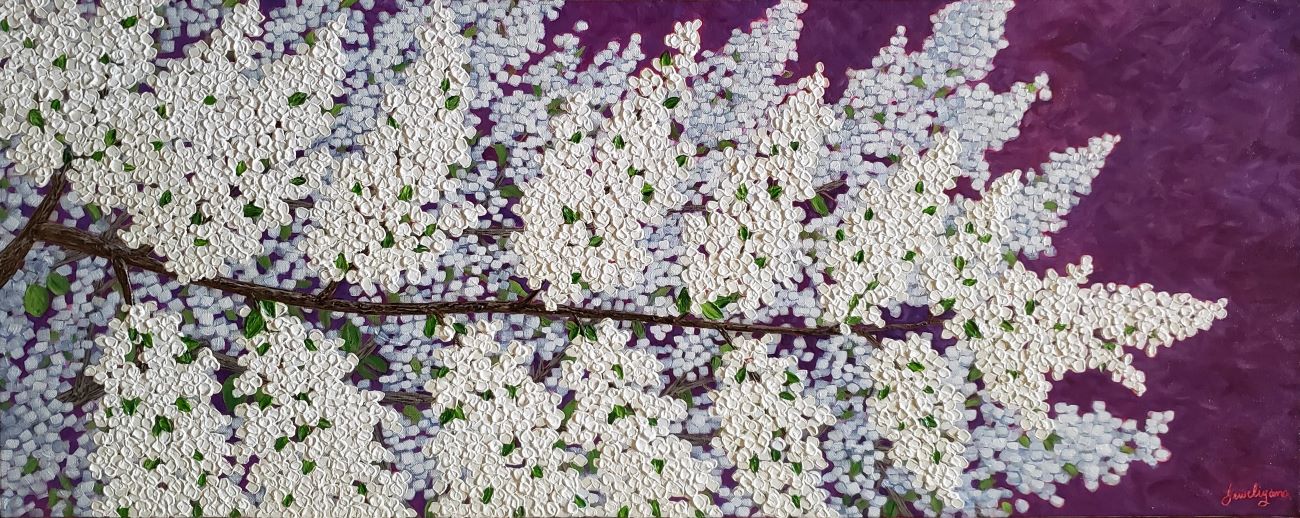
<point>1262,497</point>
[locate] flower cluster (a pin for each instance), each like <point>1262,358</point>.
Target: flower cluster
<point>750,230</point>
<point>916,409</point>
<point>204,159</point>
<point>604,179</point>
<point>892,237</point>
<point>61,69</point>
<point>311,430</point>
<point>158,435</point>
<point>373,225</point>
<point>497,447</point>
<point>769,430</point>
<point>618,417</point>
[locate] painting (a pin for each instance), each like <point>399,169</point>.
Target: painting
<point>649,258</point>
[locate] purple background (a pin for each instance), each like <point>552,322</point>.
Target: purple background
<point>1201,196</point>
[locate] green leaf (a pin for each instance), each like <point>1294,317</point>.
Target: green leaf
<point>351,338</point>
<point>775,191</point>
<point>1029,306</point>
<point>819,205</point>
<point>31,466</point>
<point>252,211</point>
<point>849,112</point>
<point>35,118</point>
<point>672,102</point>
<point>1023,440</point>
<point>741,375</point>
<point>502,155</point>
<point>57,283</point>
<point>711,311</point>
<point>254,323</point>
<point>297,99</point>
<point>36,300</point>
<point>570,216</point>
<point>452,102</point>
<point>487,494</point>
<point>183,404</point>
<point>595,241</point>
<point>406,193</point>
<point>684,301</point>
<point>129,22</point>
<point>537,472</point>
<point>431,326</point>
<point>972,330</point>
<point>511,191</point>
<point>665,59</point>
<point>1071,469</point>
<point>507,449</point>
<point>915,366</point>
<point>638,328</point>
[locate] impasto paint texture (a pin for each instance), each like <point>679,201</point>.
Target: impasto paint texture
<point>530,258</point>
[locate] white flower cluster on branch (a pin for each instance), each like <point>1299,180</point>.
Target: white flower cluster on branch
<point>606,178</point>
<point>617,413</point>
<point>162,447</point>
<point>373,224</point>
<point>769,430</point>
<point>497,448</point>
<point>915,407</point>
<point>312,431</point>
<point>750,232</point>
<point>507,445</point>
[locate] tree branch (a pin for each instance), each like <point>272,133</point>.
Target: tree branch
<point>123,281</point>
<point>79,240</point>
<point>11,258</point>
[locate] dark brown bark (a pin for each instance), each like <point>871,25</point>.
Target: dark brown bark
<point>11,258</point>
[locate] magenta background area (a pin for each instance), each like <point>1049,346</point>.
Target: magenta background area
<point>1201,196</point>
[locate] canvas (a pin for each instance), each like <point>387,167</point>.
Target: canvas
<point>380,258</point>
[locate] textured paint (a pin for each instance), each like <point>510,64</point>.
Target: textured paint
<point>1202,196</point>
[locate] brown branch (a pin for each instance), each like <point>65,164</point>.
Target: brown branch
<point>328,291</point>
<point>830,186</point>
<point>79,240</point>
<point>123,281</point>
<point>11,258</point>
<point>697,439</point>
<point>491,231</point>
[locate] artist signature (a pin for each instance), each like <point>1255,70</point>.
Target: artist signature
<point>1262,497</point>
